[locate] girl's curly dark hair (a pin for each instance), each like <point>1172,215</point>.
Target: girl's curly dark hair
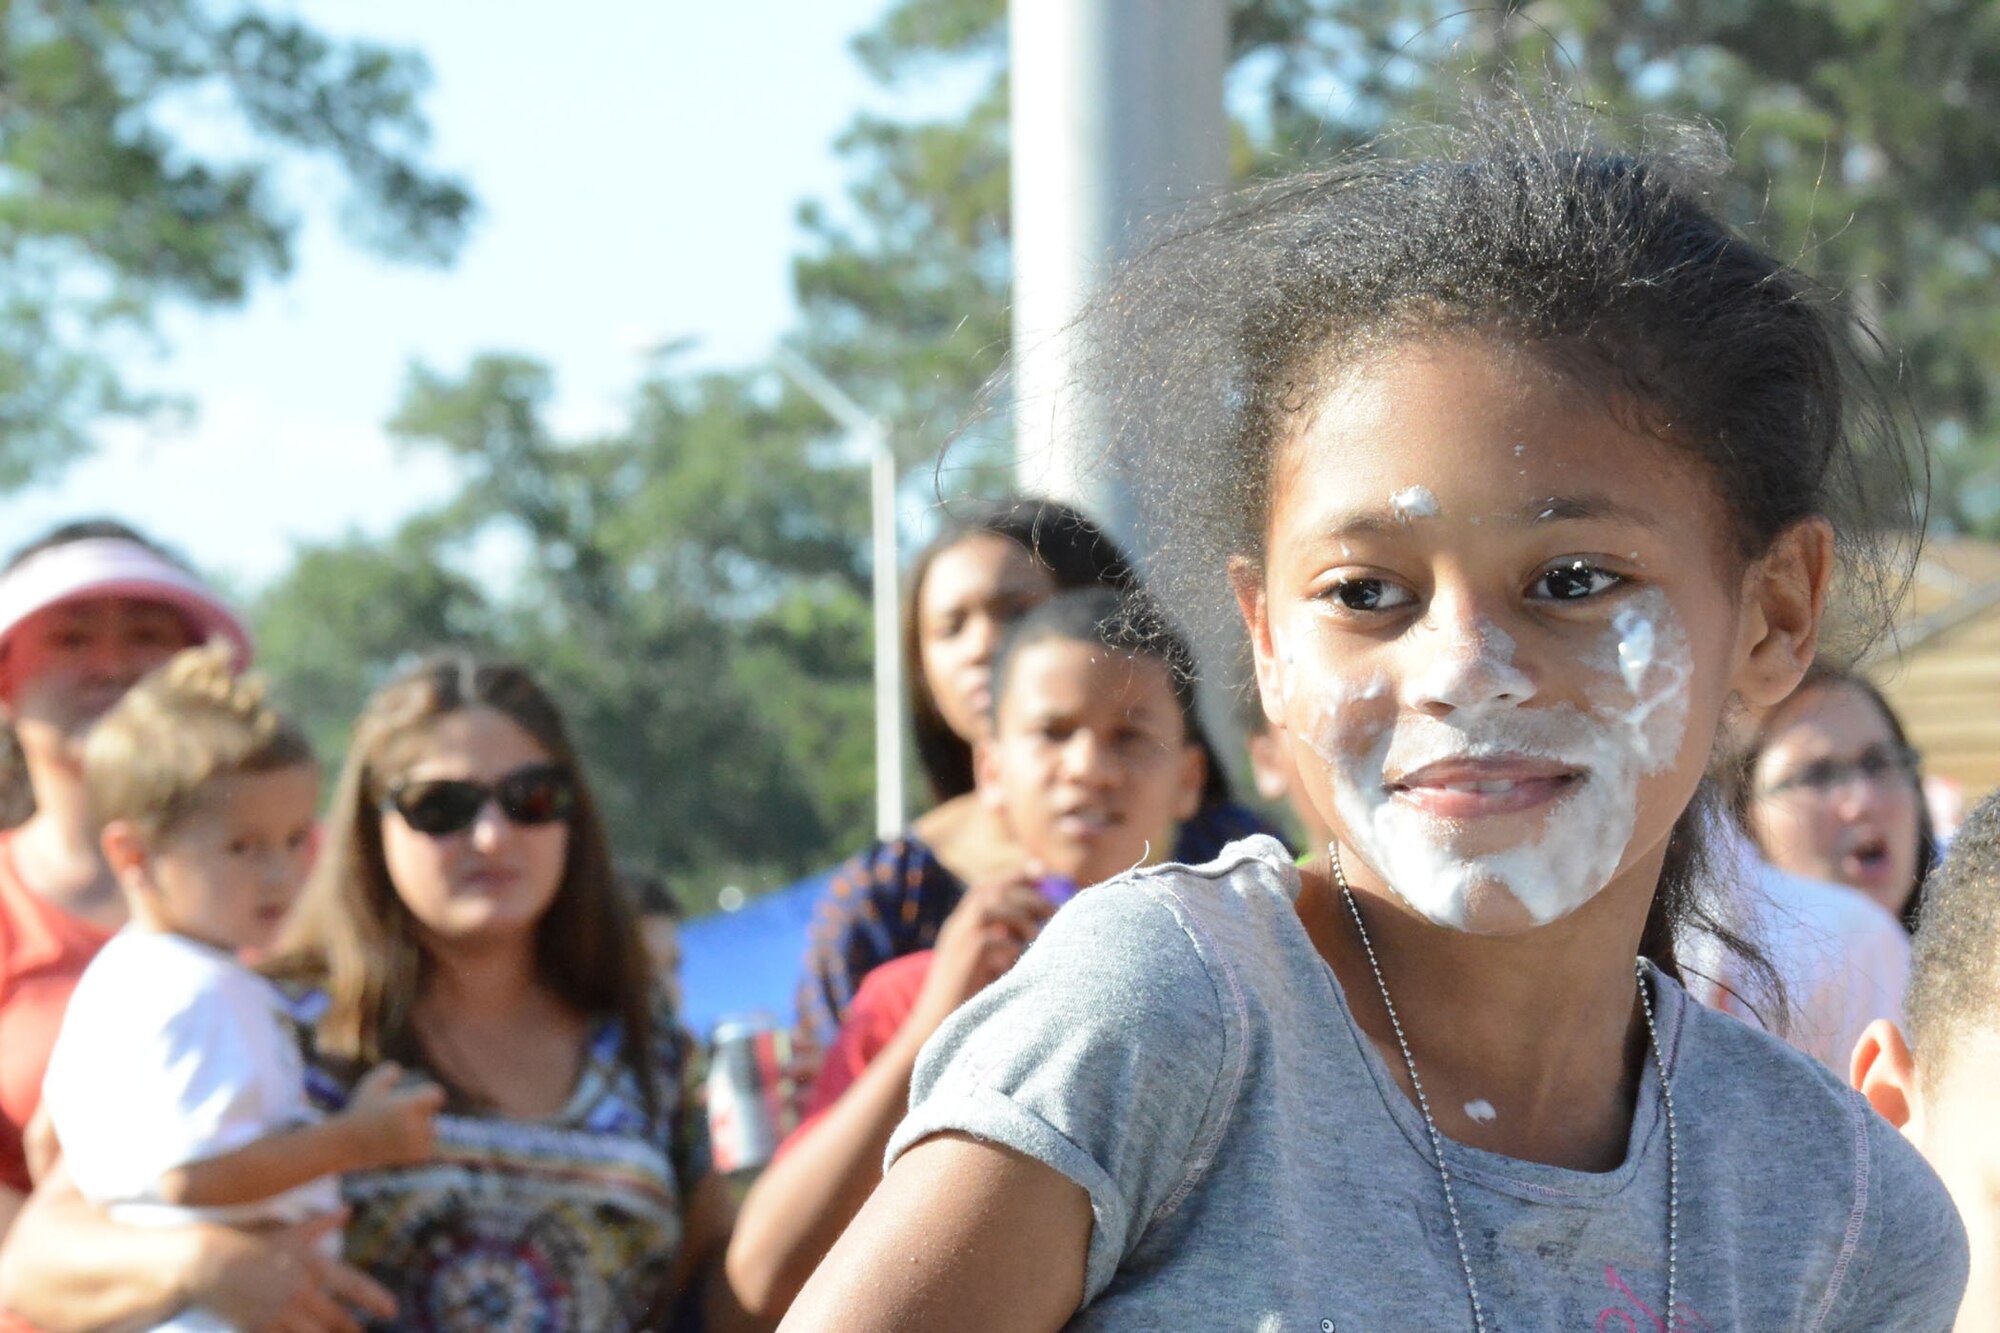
<point>1204,353</point>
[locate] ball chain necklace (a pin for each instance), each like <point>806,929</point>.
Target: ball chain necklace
<point>1437,1139</point>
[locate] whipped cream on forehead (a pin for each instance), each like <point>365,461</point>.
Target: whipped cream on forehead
<point>1414,502</point>
<point>1630,725</point>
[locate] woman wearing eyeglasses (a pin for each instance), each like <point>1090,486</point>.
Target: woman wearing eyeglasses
<point>1829,849</point>
<point>462,921</point>
<point>1833,793</point>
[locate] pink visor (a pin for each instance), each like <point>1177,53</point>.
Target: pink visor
<point>114,567</point>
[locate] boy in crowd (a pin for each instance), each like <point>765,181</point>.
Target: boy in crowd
<point>1091,765</point>
<point>175,1090</point>
<point>1940,1084</point>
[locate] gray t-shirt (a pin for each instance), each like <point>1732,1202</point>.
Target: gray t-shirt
<point>1174,1044</point>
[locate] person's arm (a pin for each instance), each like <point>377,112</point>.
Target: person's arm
<point>806,1198</point>
<point>67,1268</point>
<point>1052,1118</point>
<point>962,1235</point>
<point>711,1216</point>
<point>384,1125</point>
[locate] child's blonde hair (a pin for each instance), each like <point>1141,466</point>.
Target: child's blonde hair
<point>190,721</point>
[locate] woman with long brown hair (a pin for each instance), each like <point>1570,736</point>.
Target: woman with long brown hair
<point>464,920</point>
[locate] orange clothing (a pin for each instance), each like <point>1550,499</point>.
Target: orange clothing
<point>43,950</point>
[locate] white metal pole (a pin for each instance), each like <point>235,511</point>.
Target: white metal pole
<point>888,648</point>
<point>1116,113</point>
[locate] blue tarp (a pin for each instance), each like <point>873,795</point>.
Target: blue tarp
<point>748,960</point>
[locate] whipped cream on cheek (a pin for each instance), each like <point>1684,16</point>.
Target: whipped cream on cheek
<point>1631,726</point>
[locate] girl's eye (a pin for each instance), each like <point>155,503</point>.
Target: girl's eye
<point>1370,595</point>
<point>1572,581</point>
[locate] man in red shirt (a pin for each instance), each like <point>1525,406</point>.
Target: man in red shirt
<point>84,613</point>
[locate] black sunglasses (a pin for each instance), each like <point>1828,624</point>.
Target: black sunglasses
<point>537,794</point>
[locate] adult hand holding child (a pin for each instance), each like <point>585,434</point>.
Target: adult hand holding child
<point>284,1281</point>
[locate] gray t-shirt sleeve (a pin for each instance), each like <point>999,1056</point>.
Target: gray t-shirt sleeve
<point>1104,1054</point>
<point>1909,1261</point>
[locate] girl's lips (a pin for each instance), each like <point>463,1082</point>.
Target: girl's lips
<point>1478,788</point>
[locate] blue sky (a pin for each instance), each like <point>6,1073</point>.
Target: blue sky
<point>638,163</point>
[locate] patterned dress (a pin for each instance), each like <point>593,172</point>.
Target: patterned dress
<point>889,900</point>
<point>568,1224</point>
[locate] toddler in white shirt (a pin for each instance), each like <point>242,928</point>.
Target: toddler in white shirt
<point>175,1088</point>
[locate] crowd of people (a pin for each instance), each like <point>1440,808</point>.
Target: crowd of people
<point>1594,962</point>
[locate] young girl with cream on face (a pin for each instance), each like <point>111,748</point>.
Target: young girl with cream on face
<point>1517,461</point>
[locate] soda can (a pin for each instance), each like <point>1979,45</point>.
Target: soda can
<point>749,1091</point>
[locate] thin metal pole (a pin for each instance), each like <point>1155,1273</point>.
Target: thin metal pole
<point>889,813</point>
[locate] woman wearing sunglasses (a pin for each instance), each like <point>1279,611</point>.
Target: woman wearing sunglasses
<point>462,920</point>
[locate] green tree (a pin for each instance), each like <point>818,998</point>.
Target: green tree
<point>1867,139</point>
<point>144,146</point>
<point>690,587</point>
<point>349,613</point>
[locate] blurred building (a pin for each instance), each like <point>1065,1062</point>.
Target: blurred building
<point>1942,671</point>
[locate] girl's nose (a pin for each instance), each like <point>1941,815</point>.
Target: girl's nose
<point>1464,661</point>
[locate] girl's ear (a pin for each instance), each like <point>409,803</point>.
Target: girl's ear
<point>1885,1072</point>
<point>1784,596</point>
<point>1246,580</point>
